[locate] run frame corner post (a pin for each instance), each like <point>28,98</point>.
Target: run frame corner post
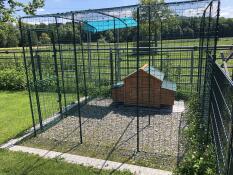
<point>137,82</point>
<point>77,78</point>
<point>27,75</point>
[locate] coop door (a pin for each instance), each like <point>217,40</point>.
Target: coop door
<point>44,75</point>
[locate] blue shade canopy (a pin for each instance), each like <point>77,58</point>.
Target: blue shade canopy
<point>104,25</point>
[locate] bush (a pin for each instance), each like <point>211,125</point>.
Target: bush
<point>48,84</point>
<point>11,79</point>
<point>182,95</point>
<point>199,156</point>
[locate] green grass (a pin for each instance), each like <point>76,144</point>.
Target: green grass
<point>15,163</point>
<point>15,116</point>
<point>15,113</point>
<point>118,154</point>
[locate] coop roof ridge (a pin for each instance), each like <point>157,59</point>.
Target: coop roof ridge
<point>153,72</point>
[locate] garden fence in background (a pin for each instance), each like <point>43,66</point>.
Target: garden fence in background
<point>11,58</point>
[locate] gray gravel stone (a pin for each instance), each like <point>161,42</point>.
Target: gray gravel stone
<point>114,125</point>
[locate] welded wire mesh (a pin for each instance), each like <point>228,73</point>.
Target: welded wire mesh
<point>11,59</point>
<point>221,117</point>
<point>81,57</point>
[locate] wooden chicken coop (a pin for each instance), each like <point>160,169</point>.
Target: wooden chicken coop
<point>153,90</point>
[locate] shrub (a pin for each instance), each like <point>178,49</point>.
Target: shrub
<point>12,79</point>
<point>182,95</point>
<point>199,156</point>
<point>95,91</point>
<point>48,84</point>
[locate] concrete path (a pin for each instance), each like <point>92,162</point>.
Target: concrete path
<point>86,161</point>
<point>178,106</point>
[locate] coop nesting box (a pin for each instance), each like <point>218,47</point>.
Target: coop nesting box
<point>153,90</point>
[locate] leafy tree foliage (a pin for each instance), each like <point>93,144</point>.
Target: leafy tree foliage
<point>173,27</point>
<point>44,38</point>
<point>156,19</point>
<point>9,35</point>
<point>9,7</point>
<point>226,27</point>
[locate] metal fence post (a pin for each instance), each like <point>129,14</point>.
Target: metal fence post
<point>137,87</point>
<point>111,68</point>
<point>35,81</point>
<point>83,63</point>
<point>202,35</point>
<point>39,65</point>
<point>98,59</point>
<point>89,55</point>
<point>149,75</point>
<point>230,149</point>
<point>62,65</point>
<point>191,72</point>
<point>161,44</point>
<point>16,61</point>
<point>27,77</point>
<point>77,81</point>
<point>56,72</point>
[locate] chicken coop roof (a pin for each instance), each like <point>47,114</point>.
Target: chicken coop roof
<point>169,85</point>
<point>104,25</point>
<point>153,71</point>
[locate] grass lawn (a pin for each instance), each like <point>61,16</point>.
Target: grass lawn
<point>15,113</point>
<point>108,152</point>
<point>15,163</point>
<point>15,116</point>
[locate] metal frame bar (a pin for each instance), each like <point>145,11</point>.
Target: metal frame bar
<point>27,79</point>
<point>77,81</point>
<point>61,64</point>
<point>137,86</point>
<point>34,81</point>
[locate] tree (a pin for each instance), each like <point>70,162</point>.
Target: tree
<point>109,36</point>
<point>12,36</point>
<point>3,38</point>
<point>44,39</point>
<point>9,35</point>
<point>148,2</point>
<point>153,18</point>
<point>9,7</point>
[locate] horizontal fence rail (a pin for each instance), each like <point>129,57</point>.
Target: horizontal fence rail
<point>11,58</point>
<point>14,57</point>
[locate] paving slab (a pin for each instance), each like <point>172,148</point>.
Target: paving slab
<point>93,162</point>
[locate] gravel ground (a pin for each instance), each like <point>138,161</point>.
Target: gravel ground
<point>114,126</point>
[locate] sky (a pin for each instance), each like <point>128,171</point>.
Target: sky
<point>56,6</point>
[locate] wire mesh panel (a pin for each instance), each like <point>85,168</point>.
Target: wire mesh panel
<point>215,90</point>
<point>11,59</point>
<point>123,70</point>
<point>221,119</point>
